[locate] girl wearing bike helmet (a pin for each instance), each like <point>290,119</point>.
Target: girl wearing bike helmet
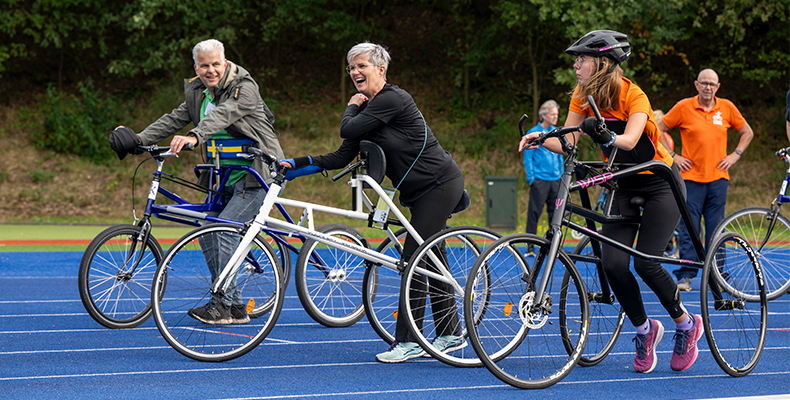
<point>628,113</point>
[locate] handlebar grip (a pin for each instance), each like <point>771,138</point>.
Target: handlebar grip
<point>594,108</point>
<point>346,171</point>
<point>521,124</point>
<point>267,158</point>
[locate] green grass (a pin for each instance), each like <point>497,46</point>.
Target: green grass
<point>53,232</point>
<point>40,232</point>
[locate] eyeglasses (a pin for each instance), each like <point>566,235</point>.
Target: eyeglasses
<point>711,84</point>
<point>580,60</point>
<point>352,68</point>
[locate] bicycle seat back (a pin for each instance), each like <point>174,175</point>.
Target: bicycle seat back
<point>644,150</point>
<point>376,160</point>
<point>228,148</point>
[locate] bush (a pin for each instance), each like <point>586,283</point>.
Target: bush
<point>79,126</point>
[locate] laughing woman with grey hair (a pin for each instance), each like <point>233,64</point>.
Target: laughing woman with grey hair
<point>429,181</point>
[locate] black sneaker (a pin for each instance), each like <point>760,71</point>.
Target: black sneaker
<point>238,314</point>
<point>212,313</point>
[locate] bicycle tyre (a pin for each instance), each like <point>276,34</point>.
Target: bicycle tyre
<point>457,248</point>
<point>735,327</point>
<point>283,254</point>
<point>330,290</point>
<point>606,316</point>
<point>752,224</point>
<point>381,290</point>
<point>183,281</point>
<point>521,342</point>
<point>112,297</point>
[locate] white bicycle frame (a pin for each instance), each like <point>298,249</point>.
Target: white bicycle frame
<point>357,182</point>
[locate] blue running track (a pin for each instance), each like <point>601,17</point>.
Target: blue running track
<point>50,348</point>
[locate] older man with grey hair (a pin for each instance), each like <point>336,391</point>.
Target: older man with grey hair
<point>543,169</point>
<point>224,104</point>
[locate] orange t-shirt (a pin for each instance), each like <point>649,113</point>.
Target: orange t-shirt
<point>632,100</point>
<point>704,135</point>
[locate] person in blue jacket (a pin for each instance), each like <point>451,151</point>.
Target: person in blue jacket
<point>543,169</point>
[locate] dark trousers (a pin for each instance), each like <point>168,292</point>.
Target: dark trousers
<point>703,200</point>
<point>659,217</point>
<point>541,192</point>
<point>429,215</point>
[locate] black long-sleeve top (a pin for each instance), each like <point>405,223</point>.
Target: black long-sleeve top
<point>392,121</point>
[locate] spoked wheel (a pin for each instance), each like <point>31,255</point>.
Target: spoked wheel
<point>523,337</point>
<point>735,324</point>
<point>772,251</point>
<point>283,254</point>
<point>434,287</point>
<point>114,287</point>
<point>329,279</point>
<point>606,315</point>
<point>381,289</point>
<point>182,285</point>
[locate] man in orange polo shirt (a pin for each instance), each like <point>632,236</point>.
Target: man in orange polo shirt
<point>703,121</point>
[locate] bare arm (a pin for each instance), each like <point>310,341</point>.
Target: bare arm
<point>633,131</point>
<point>746,137</point>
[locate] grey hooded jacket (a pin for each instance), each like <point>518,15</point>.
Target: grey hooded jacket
<point>240,111</point>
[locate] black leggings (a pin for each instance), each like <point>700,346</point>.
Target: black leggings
<point>658,220</point>
<point>429,215</point>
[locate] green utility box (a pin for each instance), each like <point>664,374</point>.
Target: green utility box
<point>501,203</point>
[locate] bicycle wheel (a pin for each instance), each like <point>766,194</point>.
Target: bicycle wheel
<point>114,291</point>
<point>283,254</point>
<point>522,339</point>
<point>734,326</point>
<point>452,251</point>
<point>381,290</point>
<point>606,315</point>
<point>183,282</point>
<point>772,251</point>
<point>329,280</point>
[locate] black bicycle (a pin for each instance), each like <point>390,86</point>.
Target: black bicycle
<point>541,312</point>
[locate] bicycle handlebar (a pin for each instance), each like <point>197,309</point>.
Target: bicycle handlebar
<point>155,150</point>
<point>783,153</point>
<point>347,170</point>
<point>590,124</point>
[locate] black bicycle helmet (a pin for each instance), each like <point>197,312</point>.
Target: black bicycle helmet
<point>602,43</point>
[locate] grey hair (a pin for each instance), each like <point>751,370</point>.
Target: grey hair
<point>377,54</point>
<point>208,46</point>
<point>546,106</point>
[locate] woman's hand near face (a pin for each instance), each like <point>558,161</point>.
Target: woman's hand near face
<point>358,99</point>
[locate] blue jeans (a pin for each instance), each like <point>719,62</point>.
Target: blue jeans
<point>703,200</point>
<point>242,205</point>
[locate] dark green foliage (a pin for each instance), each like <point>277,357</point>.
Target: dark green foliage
<point>80,126</point>
<point>460,56</point>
